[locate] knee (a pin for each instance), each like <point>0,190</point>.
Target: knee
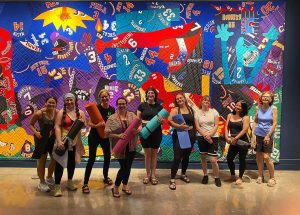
<point>91,160</point>
<point>267,158</point>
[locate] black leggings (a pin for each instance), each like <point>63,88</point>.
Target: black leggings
<point>93,144</point>
<point>125,168</point>
<point>180,155</point>
<point>59,170</point>
<point>232,152</point>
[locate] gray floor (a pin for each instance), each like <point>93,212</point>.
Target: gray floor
<point>19,195</point>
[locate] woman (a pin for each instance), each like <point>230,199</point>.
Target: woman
<point>265,122</point>
<point>237,124</point>
<point>63,124</point>
<point>94,140</point>
<point>44,140</point>
<point>114,129</point>
<point>181,155</point>
<point>146,111</point>
<point>208,139</point>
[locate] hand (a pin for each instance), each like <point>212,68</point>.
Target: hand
<point>223,33</point>
<point>183,126</point>
<point>38,135</point>
<point>272,34</point>
<point>233,140</point>
<point>160,119</point>
<point>102,124</point>
<point>267,139</point>
<point>228,140</point>
<point>122,136</point>
<point>60,145</point>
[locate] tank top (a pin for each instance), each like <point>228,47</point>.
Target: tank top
<point>46,125</point>
<point>235,128</point>
<point>188,118</point>
<point>67,124</point>
<point>264,121</point>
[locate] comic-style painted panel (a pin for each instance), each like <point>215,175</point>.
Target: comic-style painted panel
<point>228,50</point>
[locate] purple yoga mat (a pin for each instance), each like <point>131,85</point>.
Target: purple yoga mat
<point>121,144</point>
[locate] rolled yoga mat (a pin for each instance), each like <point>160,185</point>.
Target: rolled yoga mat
<point>153,124</point>
<point>96,117</point>
<point>183,135</point>
<point>122,143</point>
<point>75,129</point>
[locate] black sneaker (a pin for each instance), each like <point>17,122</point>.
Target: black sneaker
<point>218,182</point>
<point>205,179</point>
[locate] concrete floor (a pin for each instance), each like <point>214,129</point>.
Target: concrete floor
<point>19,195</point>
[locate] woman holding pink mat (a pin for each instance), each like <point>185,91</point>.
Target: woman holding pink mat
<point>146,111</point>
<point>115,127</point>
<point>94,140</point>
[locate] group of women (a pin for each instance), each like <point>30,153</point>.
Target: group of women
<point>199,125</point>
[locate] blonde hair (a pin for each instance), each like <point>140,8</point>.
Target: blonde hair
<point>103,91</point>
<point>264,93</point>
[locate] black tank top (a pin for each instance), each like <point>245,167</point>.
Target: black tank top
<point>235,128</point>
<point>188,118</point>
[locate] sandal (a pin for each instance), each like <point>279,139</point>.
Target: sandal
<point>146,180</point>
<point>154,180</point>
<point>115,194</point>
<point>107,181</point>
<point>185,178</point>
<point>239,181</point>
<point>127,192</point>
<point>85,189</point>
<point>172,185</point>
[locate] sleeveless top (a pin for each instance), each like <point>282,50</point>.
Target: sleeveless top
<point>188,118</point>
<point>235,128</point>
<point>264,121</point>
<point>46,125</point>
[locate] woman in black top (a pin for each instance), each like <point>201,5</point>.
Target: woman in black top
<point>44,139</point>
<point>146,111</point>
<point>181,155</point>
<point>94,140</point>
<point>237,124</point>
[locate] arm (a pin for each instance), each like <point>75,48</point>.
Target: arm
<point>215,128</point>
<point>57,128</point>
<point>273,127</point>
<point>255,121</point>
<point>228,139</point>
<point>33,120</point>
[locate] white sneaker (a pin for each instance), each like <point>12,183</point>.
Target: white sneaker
<point>43,187</point>
<point>50,181</point>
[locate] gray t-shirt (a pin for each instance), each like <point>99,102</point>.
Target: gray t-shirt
<point>206,120</point>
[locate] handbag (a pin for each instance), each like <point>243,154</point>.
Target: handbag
<point>243,144</point>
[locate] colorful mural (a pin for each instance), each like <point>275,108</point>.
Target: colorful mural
<point>228,50</point>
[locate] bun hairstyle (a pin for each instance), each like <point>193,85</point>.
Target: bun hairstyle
<point>153,90</point>
<point>271,95</point>
<point>70,95</point>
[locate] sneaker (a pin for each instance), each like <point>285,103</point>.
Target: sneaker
<point>43,187</point>
<point>205,179</point>
<point>218,182</point>
<point>272,182</point>
<point>50,181</point>
<point>259,180</point>
<point>57,191</point>
<point>71,186</point>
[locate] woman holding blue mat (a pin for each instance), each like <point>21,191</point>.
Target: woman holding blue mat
<point>146,111</point>
<point>181,154</point>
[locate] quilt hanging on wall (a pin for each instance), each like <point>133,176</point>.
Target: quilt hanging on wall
<point>228,50</point>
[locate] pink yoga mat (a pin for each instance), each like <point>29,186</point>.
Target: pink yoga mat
<point>122,143</point>
<point>96,117</point>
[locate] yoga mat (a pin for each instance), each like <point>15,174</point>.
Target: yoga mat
<point>75,129</point>
<point>153,124</point>
<point>96,117</point>
<point>183,135</point>
<point>121,144</point>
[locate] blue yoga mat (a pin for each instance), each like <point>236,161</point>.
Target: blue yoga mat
<point>183,135</point>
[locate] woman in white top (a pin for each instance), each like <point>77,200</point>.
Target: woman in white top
<point>208,138</point>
